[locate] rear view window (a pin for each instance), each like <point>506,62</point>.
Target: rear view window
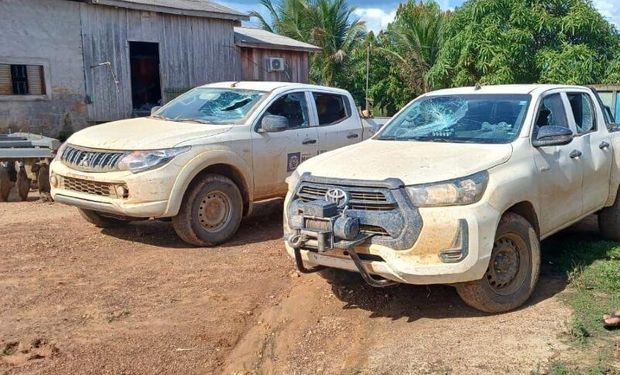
<point>331,108</point>
<point>583,112</point>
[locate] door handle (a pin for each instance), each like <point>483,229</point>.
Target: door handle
<point>604,145</point>
<point>575,154</point>
<point>352,136</point>
<point>308,142</point>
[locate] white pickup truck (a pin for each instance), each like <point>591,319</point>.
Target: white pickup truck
<point>459,188</point>
<point>203,158</point>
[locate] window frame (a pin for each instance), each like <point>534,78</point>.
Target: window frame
<point>270,101</point>
<point>572,115</point>
<point>44,63</point>
<point>347,103</point>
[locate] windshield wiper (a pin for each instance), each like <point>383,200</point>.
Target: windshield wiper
<point>159,117</point>
<point>199,121</point>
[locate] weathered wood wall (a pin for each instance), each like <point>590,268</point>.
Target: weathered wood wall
<point>193,51</point>
<point>254,65</point>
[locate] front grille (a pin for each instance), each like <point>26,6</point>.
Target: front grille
<point>369,199</point>
<point>91,160</point>
<point>102,189</point>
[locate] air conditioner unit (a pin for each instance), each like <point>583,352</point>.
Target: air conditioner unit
<point>275,64</point>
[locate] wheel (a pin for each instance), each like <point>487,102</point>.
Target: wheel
<point>23,183</point>
<point>609,221</point>
<point>43,179</point>
<point>210,213</point>
<point>513,269</point>
<point>100,221</point>
<point>5,183</point>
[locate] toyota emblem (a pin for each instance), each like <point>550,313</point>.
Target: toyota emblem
<point>338,196</point>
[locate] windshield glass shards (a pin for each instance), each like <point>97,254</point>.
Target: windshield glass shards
<point>476,118</point>
<point>211,105</point>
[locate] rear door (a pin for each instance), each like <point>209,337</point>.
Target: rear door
<point>338,125</point>
<point>277,155</point>
<point>559,170</point>
<point>594,142</point>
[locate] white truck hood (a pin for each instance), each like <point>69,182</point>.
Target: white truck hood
<point>142,134</point>
<point>412,162</point>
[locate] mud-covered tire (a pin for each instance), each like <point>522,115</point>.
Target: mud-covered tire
<point>513,269</point>
<point>100,221</point>
<point>609,221</point>
<point>211,211</point>
<point>22,184</point>
<point>5,183</point>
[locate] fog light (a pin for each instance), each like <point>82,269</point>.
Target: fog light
<point>121,191</point>
<point>460,246</point>
<point>54,181</point>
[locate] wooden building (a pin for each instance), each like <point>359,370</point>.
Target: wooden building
<point>65,64</point>
<point>267,56</point>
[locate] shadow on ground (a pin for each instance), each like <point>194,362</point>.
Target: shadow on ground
<point>441,301</point>
<point>264,224</point>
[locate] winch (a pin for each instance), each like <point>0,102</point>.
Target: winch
<point>321,225</point>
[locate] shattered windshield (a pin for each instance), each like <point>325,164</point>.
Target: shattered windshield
<point>476,118</point>
<point>211,105</point>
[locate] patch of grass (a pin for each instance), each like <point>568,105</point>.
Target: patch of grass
<point>592,269</point>
<point>561,368</point>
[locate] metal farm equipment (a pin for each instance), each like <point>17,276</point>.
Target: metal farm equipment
<point>24,163</point>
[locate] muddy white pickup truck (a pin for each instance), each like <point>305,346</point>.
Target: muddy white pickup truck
<point>203,158</point>
<point>459,188</point>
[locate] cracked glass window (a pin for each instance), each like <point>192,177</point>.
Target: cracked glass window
<point>475,118</point>
<point>211,105</point>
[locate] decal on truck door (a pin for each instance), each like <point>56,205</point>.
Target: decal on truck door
<point>293,161</point>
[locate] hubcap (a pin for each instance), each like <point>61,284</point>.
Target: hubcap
<point>504,264</point>
<point>214,211</point>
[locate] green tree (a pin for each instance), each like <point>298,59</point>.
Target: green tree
<point>329,24</point>
<point>523,41</point>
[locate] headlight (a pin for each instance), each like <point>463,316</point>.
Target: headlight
<point>292,180</point>
<point>139,161</point>
<point>461,191</point>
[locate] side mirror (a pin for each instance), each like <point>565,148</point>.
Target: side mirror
<point>155,109</point>
<point>552,135</point>
<point>273,123</point>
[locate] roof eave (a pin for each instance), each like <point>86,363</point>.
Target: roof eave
<point>277,47</point>
<point>170,10</point>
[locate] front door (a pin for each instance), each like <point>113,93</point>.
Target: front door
<point>145,80</point>
<point>277,155</point>
<point>560,173</point>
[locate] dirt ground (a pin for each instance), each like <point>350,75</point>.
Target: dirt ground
<point>75,299</point>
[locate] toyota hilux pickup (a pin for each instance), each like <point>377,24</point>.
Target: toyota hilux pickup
<point>203,158</point>
<point>459,188</point>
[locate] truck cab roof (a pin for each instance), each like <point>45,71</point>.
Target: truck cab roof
<point>504,89</point>
<point>270,86</point>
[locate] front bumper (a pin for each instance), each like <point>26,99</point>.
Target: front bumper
<point>147,192</point>
<point>445,230</point>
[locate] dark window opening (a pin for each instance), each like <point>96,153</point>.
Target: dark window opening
<point>145,78</point>
<point>551,113</point>
<point>292,106</point>
<point>21,79</point>
<point>583,112</point>
<point>331,108</point>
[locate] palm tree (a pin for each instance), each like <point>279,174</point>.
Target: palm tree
<point>329,24</point>
<point>416,38</point>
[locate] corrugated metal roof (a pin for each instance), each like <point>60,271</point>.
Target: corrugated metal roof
<point>259,38</point>
<point>196,8</point>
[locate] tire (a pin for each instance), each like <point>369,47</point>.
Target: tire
<point>43,179</point>
<point>211,211</point>
<point>23,184</point>
<point>5,183</point>
<point>609,221</point>
<point>513,269</point>
<point>100,221</point>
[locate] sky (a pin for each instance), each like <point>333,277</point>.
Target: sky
<point>377,14</point>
